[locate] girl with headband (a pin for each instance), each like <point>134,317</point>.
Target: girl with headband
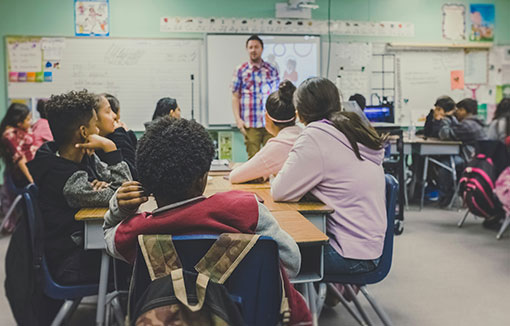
<point>281,123</point>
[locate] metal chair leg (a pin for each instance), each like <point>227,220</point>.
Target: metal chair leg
<point>379,310</point>
<point>65,312</point>
<point>344,302</point>
<point>506,222</point>
<point>424,181</point>
<point>463,219</point>
<point>357,304</point>
<point>321,297</point>
<point>7,216</point>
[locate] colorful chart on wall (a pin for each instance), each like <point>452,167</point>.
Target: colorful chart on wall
<point>92,17</point>
<point>482,22</point>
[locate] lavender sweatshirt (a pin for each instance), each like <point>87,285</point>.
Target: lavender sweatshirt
<point>322,162</point>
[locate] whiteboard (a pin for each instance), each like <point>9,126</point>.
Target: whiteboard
<point>226,52</point>
<point>137,71</point>
<point>350,67</point>
<point>422,77</point>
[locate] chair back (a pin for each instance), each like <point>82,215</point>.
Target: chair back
<point>255,283</point>
<point>383,268</point>
<point>50,287</point>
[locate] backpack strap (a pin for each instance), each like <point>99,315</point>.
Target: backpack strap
<point>162,259</point>
<point>159,253</point>
<point>225,255</point>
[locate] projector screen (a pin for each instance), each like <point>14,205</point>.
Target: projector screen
<point>295,57</point>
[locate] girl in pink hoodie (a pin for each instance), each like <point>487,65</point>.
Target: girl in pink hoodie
<point>281,123</point>
<point>338,159</point>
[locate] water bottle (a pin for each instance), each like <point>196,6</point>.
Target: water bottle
<point>412,130</point>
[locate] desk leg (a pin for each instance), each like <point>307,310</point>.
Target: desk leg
<point>424,180</point>
<point>103,288</point>
<point>455,184</point>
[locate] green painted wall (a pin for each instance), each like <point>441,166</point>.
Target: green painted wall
<point>136,18</point>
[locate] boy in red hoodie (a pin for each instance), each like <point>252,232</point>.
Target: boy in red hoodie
<point>173,159</point>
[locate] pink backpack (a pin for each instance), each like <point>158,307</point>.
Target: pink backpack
<point>502,189</point>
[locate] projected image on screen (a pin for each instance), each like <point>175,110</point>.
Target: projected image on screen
<point>295,61</point>
<point>296,58</point>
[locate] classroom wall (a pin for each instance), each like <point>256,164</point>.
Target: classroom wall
<point>135,18</point>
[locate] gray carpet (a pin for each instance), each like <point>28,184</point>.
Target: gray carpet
<point>441,275</point>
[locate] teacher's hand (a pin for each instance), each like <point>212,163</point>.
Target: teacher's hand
<point>240,125</point>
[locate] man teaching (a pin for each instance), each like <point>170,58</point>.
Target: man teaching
<point>252,83</point>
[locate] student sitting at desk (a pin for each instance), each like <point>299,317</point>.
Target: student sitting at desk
<point>465,126</point>
<point>70,177</point>
<point>338,159</point>
<point>442,108</point>
<point>41,128</point>
<point>499,129</point>
<point>115,106</point>
<point>110,128</point>
<point>173,160</point>
<point>281,123</point>
<point>165,107</point>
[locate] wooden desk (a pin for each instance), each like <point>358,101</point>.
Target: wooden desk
<point>432,147</point>
<point>315,212</point>
<point>309,238</point>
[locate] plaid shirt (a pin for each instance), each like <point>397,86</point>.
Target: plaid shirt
<point>254,84</point>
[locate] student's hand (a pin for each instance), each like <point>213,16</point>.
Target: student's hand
<point>119,123</point>
<point>94,142</point>
<point>99,185</point>
<point>130,196</point>
<point>240,125</point>
<point>451,113</point>
<point>438,114</point>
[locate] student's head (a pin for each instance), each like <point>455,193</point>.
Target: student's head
<point>167,106</point>
<point>360,99</point>
<point>18,116</point>
<point>444,104</point>
<point>465,108</point>
<point>280,111</point>
<point>114,104</point>
<point>254,46</point>
<point>72,117</point>
<point>318,98</point>
<point>41,108</point>
<point>173,158</point>
<point>503,109</point>
<point>105,116</point>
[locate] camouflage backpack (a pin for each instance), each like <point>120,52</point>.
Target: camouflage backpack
<point>179,297</point>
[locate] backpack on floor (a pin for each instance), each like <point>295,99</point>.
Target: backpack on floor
<point>477,187</point>
<point>179,297</point>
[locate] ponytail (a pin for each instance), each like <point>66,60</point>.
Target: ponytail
<point>351,125</point>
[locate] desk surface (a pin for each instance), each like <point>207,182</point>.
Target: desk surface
<point>295,224</point>
<point>263,191</point>
<point>426,141</point>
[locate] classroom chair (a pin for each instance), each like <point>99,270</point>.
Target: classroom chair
<point>71,294</point>
<point>255,283</point>
<point>372,277</point>
<point>17,192</point>
<point>504,226</point>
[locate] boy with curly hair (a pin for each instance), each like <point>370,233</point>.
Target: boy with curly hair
<point>69,177</point>
<point>173,159</point>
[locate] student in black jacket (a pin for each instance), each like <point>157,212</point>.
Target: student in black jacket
<point>442,107</point>
<point>111,128</point>
<point>70,176</point>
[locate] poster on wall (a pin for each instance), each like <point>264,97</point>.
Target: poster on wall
<point>92,17</point>
<point>482,18</point>
<point>454,22</point>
